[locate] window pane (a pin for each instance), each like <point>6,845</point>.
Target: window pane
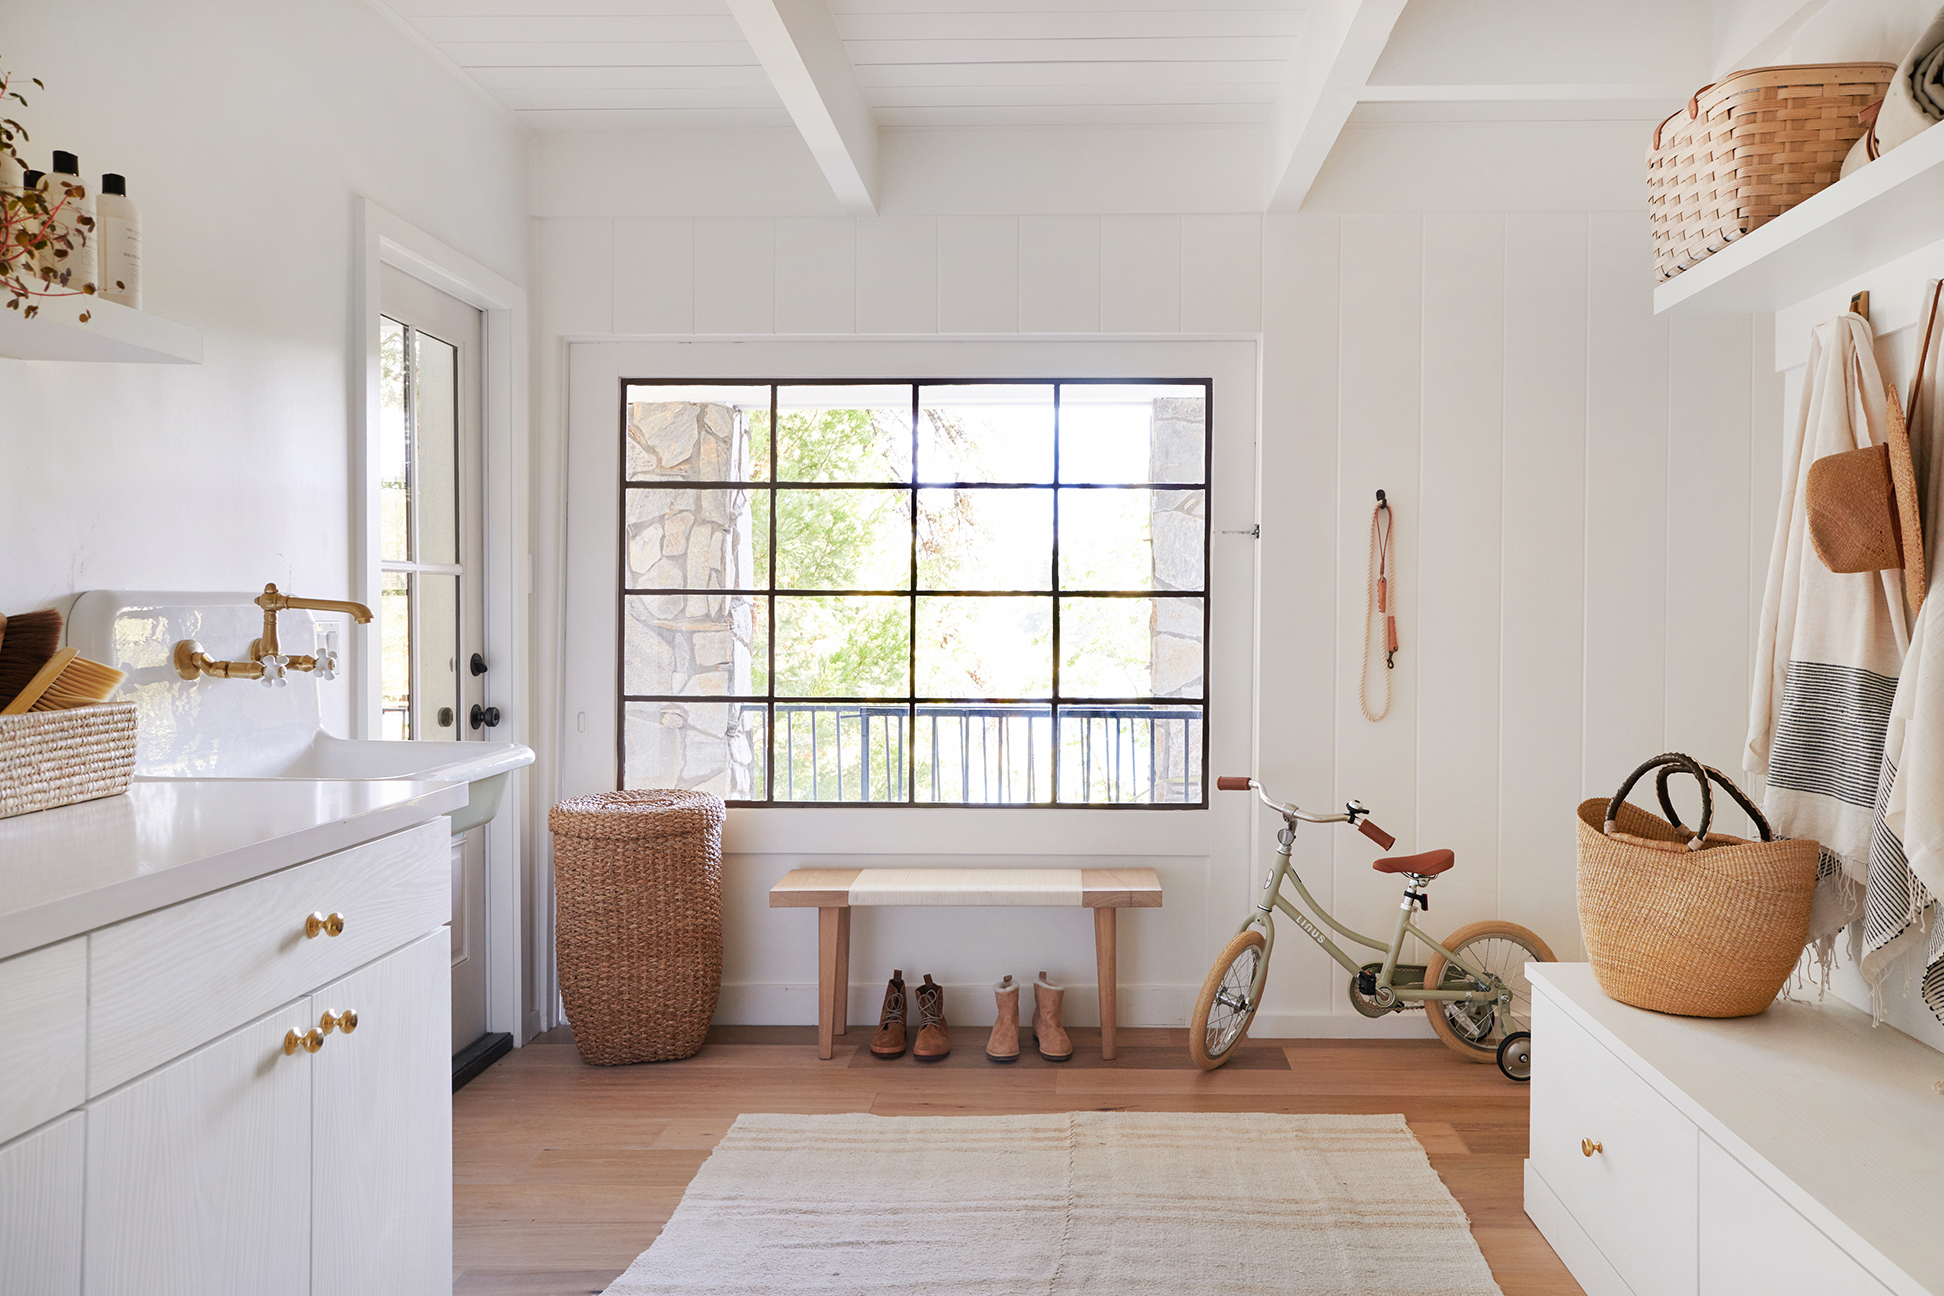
<point>1141,432</point>
<point>844,434</point>
<point>717,747</point>
<point>1130,755</point>
<point>709,645</point>
<point>843,646</point>
<point>689,433</point>
<point>1131,539</point>
<point>998,647</point>
<point>985,539</point>
<point>394,448</point>
<point>841,752</point>
<point>395,656</point>
<point>436,706</point>
<point>983,754</point>
<point>695,539</point>
<point>843,539</point>
<point>1131,647</point>
<point>985,432</point>
<point>435,450</point>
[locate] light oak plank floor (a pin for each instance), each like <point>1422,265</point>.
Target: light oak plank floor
<point>565,1172</point>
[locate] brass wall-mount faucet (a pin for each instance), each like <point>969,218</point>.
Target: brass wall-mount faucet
<point>267,664</point>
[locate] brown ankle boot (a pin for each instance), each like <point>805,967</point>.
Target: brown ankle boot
<point>1004,1044</point>
<point>1054,1045</point>
<point>933,1041</point>
<point>889,1042</point>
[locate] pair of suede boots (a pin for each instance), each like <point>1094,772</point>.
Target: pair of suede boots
<point>934,1040</point>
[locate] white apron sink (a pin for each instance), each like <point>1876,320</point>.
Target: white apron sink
<point>216,728</point>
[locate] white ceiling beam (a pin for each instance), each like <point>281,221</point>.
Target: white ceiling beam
<point>1565,93</point>
<point>1322,87</point>
<point>797,43</point>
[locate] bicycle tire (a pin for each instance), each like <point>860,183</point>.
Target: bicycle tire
<point>1219,1019</point>
<point>1483,1045</point>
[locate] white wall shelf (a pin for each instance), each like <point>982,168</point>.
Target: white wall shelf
<point>113,333</point>
<point>1880,213</point>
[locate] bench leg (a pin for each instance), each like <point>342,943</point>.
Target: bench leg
<point>840,992</point>
<point>1105,932</point>
<point>828,924</point>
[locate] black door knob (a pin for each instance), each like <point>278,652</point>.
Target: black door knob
<point>487,716</point>
<point>478,664</point>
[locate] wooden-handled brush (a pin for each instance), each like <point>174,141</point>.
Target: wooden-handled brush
<point>68,680</point>
<point>27,642</point>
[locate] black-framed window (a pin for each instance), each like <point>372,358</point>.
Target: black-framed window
<point>933,593</point>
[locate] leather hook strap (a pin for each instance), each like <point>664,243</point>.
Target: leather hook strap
<point>1383,568</point>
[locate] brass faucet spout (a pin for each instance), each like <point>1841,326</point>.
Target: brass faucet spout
<point>272,602</point>
<point>357,611</point>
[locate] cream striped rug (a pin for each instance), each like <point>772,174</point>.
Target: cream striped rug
<point>1114,1203</point>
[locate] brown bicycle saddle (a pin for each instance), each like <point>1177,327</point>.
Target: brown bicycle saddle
<point>1429,864</point>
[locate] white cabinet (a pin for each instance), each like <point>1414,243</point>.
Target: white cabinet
<point>207,1159</point>
<point>40,1210</point>
<point>1799,1150</point>
<point>381,1205</point>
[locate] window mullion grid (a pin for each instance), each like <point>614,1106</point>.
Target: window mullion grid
<point>911,624</point>
<point>1053,705</point>
<point>769,710</point>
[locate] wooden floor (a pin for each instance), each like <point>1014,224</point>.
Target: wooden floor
<point>565,1172</point>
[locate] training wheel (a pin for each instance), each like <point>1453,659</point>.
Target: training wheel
<point>1515,1056</point>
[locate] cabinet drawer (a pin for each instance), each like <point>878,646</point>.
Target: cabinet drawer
<point>1636,1196</point>
<point>43,1035</point>
<point>1754,1243</point>
<point>40,1211</point>
<point>166,982</point>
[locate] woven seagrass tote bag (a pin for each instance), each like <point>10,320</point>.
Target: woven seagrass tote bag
<point>1686,921</point>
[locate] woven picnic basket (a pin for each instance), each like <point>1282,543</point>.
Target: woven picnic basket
<point>638,921</point>
<point>1748,148</point>
<point>1686,921</point>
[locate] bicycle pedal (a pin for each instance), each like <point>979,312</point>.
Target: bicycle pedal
<point>1366,982</point>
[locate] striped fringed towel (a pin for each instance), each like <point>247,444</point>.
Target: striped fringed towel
<point>1830,647</point>
<point>1907,847</point>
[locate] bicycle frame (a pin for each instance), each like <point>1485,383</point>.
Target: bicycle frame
<point>1273,899</point>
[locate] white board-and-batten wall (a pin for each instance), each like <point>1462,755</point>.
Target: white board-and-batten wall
<point>1576,538</point>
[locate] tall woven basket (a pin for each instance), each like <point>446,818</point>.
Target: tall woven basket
<point>1747,149</point>
<point>1690,922</point>
<point>638,921</point>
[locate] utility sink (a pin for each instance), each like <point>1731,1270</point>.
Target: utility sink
<point>216,728</point>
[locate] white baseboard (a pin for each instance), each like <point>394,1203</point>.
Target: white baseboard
<point>752,1003</point>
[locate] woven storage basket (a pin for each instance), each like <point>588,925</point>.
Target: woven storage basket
<point>1747,149</point>
<point>56,758</point>
<point>1707,931</point>
<point>638,921</point>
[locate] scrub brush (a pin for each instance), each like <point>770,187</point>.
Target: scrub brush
<point>68,680</point>
<point>27,642</point>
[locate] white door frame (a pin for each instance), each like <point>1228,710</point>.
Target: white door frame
<point>384,239</point>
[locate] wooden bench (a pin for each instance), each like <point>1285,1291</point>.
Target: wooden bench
<point>834,892</point>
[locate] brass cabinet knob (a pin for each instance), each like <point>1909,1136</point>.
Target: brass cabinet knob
<point>310,1041</point>
<point>325,924</point>
<point>346,1021</point>
<point>1588,1147</point>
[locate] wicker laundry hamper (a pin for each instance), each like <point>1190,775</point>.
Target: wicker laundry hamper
<point>1689,922</point>
<point>638,921</point>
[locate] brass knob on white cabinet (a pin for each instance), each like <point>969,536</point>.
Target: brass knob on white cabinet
<point>346,1021</point>
<point>324,924</point>
<point>1588,1147</point>
<point>310,1041</point>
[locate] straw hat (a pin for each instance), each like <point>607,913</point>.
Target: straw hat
<point>1863,509</point>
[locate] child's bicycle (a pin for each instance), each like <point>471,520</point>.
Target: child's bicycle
<point>1474,989</point>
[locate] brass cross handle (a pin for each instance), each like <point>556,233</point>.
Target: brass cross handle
<point>1588,1147</point>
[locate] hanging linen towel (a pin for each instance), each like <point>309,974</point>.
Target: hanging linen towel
<point>1907,844</point>
<point>1830,645</point>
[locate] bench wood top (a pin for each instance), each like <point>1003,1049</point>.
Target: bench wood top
<point>846,888</point>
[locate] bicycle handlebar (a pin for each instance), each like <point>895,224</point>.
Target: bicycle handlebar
<point>1355,815</point>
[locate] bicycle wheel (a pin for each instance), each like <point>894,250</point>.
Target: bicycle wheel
<point>1474,1030</point>
<point>1224,1011</point>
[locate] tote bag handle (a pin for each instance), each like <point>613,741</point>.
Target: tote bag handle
<point>1681,763</point>
<point>1753,812</point>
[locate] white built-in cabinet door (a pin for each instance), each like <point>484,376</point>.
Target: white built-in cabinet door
<point>382,1098</point>
<point>199,1174</point>
<point>40,1210</point>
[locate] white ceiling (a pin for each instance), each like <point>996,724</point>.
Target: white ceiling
<point>646,64</point>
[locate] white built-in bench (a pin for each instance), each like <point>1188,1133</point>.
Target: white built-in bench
<point>834,892</point>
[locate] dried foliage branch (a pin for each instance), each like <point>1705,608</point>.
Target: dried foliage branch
<point>39,230</point>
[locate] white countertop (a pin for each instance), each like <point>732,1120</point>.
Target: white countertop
<point>70,870</point>
<point>1841,1119</point>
